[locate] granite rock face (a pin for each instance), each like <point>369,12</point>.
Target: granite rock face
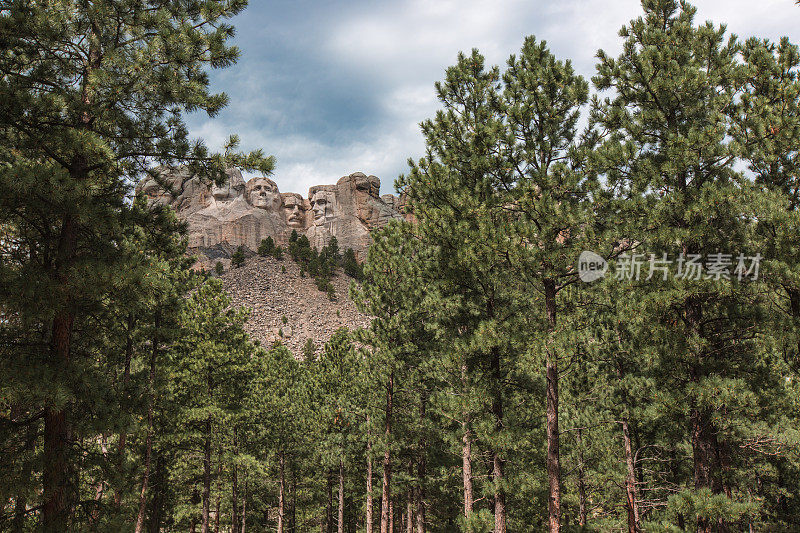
<point>288,308</point>
<point>243,213</point>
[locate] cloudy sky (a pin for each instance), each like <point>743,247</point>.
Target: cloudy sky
<point>334,87</point>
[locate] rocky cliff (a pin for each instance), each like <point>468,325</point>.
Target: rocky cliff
<point>273,290</point>
<point>220,218</point>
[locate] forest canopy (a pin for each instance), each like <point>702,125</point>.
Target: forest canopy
<point>587,321</point>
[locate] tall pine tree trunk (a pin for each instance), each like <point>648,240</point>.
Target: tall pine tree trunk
<point>498,474</point>
<point>386,495</point>
<point>553,459</point>
<point>158,487</point>
<point>149,440</point>
<point>466,454</point>
<point>56,474</point>
<point>704,445</point>
<point>341,497</point>
<point>409,514</point>
<point>244,508</point>
<point>368,518</point>
<point>206,478</point>
<point>466,471</point>
<point>630,480</point>
<point>219,496</point>
<point>281,492</point>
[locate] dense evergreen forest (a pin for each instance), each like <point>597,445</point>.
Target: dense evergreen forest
<point>497,389</point>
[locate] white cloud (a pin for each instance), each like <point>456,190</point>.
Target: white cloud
<point>399,50</point>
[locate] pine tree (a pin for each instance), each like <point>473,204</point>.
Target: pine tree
<point>351,266</point>
<point>391,292</point>
<point>671,153</point>
<point>266,247</point>
<point>92,97</point>
<point>237,258</point>
<point>212,365</point>
<point>552,204</point>
<point>458,202</point>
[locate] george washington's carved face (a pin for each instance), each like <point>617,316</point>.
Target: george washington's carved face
<point>231,188</point>
<point>322,206</point>
<point>294,210</point>
<point>263,193</point>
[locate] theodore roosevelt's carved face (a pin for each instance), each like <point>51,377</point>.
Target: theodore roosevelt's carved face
<point>263,193</point>
<point>322,206</point>
<point>294,210</point>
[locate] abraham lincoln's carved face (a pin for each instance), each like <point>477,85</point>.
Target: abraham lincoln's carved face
<point>263,193</point>
<point>322,206</point>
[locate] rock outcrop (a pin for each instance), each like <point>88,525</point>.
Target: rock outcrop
<point>289,308</point>
<point>243,213</point>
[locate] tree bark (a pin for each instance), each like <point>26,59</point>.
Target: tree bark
<point>387,461</point>
<point>704,445</point>
<point>341,497</point>
<point>217,506</point>
<point>57,493</point>
<point>281,493</point>
<point>409,515</point>
<point>466,471</point>
<point>149,440</point>
<point>158,497</point>
<point>244,508</point>
<point>631,489</point>
<point>498,474</point>
<point>368,518</point>
<point>553,459</point>
<point>391,516</point>
<point>206,478</point>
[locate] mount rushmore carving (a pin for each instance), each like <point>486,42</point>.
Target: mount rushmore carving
<point>243,213</point>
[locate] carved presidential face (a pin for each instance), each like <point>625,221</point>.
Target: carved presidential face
<point>231,188</point>
<point>294,210</point>
<point>368,184</point>
<point>263,193</point>
<point>322,206</point>
<point>221,192</point>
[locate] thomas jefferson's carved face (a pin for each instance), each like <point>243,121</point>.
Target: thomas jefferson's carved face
<point>263,193</point>
<point>322,206</point>
<point>294,210</point>
<point>368,184</point>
